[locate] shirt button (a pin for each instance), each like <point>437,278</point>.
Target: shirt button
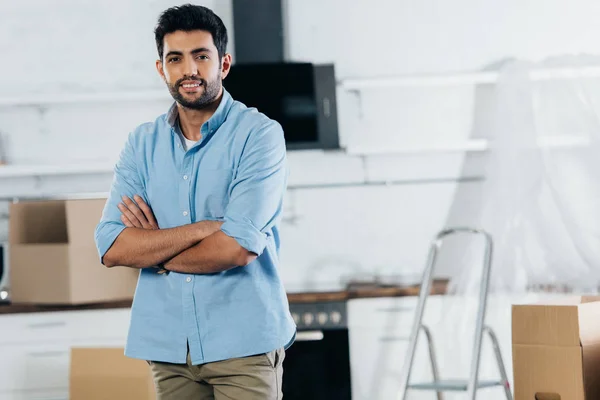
<point>188,279</point>
<point>178,144</point>
<point>185,213</point>
<point>185,177</point>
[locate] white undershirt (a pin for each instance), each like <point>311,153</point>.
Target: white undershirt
<point>187,143</point>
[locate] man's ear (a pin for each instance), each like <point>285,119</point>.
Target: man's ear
<point>161,71</point>
<point>225,65</point>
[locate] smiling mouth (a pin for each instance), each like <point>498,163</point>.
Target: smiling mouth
<point>191,87</point>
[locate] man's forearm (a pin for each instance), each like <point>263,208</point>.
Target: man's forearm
<point>218,252</point>
<point>142,248</point>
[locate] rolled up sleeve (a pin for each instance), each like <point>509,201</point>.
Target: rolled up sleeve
<point>126,182</point>
<point>257,190</point>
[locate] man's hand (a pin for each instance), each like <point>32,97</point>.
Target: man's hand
<point>136,213</point>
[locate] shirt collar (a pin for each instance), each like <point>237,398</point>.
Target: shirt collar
<point>214,122</point>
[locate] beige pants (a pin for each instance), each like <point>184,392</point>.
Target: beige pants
<point>249,378</point>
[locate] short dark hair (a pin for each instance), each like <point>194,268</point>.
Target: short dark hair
<point>189,17</point>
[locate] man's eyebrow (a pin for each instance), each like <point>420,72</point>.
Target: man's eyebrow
<point>200,50</point>
<point>174,53</point>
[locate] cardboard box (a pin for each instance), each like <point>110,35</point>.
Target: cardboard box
<point>53,256</point>
<point>106,374</point>
<point>556,350</point>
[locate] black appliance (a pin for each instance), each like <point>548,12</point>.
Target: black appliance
<point>300,96</point>
<point>317,365</point>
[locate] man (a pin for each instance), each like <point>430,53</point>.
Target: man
<point>196,204</point>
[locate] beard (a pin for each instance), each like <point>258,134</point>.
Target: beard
<point>209,94</point>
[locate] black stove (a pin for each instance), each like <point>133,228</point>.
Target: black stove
<point>317,365</point>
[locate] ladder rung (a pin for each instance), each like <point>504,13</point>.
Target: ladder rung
<point>453,385</point>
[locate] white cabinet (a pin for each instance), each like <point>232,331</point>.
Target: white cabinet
<point>379,330</point>
<point>63,326</point>
<point>35,348</point>
<point>33,367</point>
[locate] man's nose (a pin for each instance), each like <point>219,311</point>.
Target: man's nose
<point>191,68</point>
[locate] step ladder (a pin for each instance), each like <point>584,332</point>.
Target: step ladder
<point>473,383</point>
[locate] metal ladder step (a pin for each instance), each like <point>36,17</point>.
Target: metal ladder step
<point>453,385</point>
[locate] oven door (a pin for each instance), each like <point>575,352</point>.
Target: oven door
<point>317,366</point>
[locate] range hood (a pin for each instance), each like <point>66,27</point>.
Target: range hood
<point>300,96</point>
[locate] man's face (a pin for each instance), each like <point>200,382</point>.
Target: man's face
<point>192,69</point>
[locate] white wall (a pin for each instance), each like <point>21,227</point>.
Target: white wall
<point>68,46</point>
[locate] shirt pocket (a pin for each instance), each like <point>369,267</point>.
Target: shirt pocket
<point>212,193</point>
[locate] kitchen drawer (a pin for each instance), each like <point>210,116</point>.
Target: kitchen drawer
<point>28,328</point>
<point>66,325</point>
<point>379,312</point>
<point>34,367</point>
<point>42,366</point>
<point>393,316</point>
<point>100,324</point>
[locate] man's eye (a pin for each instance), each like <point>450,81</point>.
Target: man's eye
<point>203,57</point>
<point>174,59</point>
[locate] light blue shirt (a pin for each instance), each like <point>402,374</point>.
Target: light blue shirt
<point>237,173</point>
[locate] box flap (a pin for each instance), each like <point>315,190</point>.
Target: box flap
<point>589,299</point>
<point>35,222</point>
<point>589,332</point>
<point>546,324</point>
<point>591,366</point>
<point>82,216</point>
<point>589,323</point>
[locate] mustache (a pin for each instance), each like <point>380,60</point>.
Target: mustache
<point>180,81</point>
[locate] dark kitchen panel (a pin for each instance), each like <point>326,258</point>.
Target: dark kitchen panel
<point>300,96</point>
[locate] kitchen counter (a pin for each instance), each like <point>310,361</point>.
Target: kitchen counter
<point>358,291</point>
<point>364,291</point>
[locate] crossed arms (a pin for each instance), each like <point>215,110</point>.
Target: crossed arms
<point>128,234</point>
<point>196,248</point>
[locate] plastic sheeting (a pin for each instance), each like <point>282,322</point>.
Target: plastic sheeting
<point>541,194</point>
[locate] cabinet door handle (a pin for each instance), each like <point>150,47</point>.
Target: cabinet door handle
<point>398,309</point>
<point>394,339</point>
<point>49,324</point>
<point>309,336</point>
<point>326,107</point>
<point>50,353</point>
